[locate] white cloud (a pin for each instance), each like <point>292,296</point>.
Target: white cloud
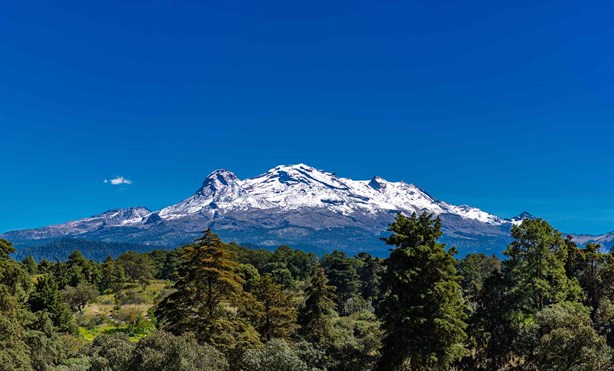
<point>118,181</point>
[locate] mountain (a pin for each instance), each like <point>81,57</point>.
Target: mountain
<point>606,240</point>
<point>296,205</point>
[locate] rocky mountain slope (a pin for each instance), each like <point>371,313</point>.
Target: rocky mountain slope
<point>296,205</point>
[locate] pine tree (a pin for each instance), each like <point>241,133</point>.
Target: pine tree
<point>277,317</point>
<point>341,273</point>
<point>537,259</point>
<point>314,317</point>
<point>46,297</point>
<point>29,263</point>
<point>111,276</point>
<point>422,309</point>
<point>369,273</point>
<point>208,282</point>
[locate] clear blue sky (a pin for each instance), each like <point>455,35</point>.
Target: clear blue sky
<point>507,106</point>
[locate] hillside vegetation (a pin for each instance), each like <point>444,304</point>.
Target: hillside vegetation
<point>212,305</point>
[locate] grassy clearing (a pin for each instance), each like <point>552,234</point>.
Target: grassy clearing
<point>125,311</point>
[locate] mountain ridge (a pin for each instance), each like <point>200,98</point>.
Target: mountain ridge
<point>289,204</point>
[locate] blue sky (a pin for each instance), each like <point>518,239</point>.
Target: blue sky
<point>503,106</point>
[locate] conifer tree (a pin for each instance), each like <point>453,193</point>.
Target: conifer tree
<point>422,309</point>
<point>369,273</point>
<point>29,263</point>
<point>277,317</point>
<point>314,316</point>
<point>46,297</point>
<point>341,273</point>
<point>208,282</point>
<point>111,276</point>
<point>537,259</point>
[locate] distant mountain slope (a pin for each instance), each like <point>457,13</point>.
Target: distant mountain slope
<point>297,205</point>
<point>60,250</point>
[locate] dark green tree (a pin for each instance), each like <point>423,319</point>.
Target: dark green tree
<point>493,326</point>
<point>537,259</point>
<point>300,264</point>
<point>277,315</point>
<point>46,297</point>
<point>208,283</point>
<point>474,269</point>
<point>596,279</point>
<point>422,310</point>
<point>14,280</point>
<point>81,295</point>
<point>137,267</point>
<point>112,276</point>
<point>315,314</point>
<point>6,249</point>
<point>162,351</point>
<point>568,341</point>
<point>341,273</point>
<point>30,265</point>
<point>369,273</point>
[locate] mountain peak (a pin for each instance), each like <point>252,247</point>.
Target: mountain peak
<point>522,216</point>
<point>220,178</point>
<point>377,183</point>
<point>525,215</point>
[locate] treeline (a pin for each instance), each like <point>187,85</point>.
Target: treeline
<point>548,305</point>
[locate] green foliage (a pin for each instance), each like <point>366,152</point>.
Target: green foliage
<point>6,249</point>
<point>276,317</point>
<point>300,264</point>
<point>277,354</point>
<point>315,314</point>
<point>137,267</point>
<point>208,275</point>
<point>112,276</point>
<point>537,265</point>
<point>78,297</point>
<point>595,273</point>
<point>208,282</point>
<point>164,352</point>
<point>30,265</point>
<point>525,313</point>
<point>341,273</point>
<point>14,350</point>
<point>494,330</point>
<point>568,341</point>
<point>422,311</point>
<point>111,352</point>
<point>474,269</point>
<point>356,342</point>
<point>369,272</point>
<point>46,297</point>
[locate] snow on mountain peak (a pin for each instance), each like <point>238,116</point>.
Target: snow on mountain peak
<point>219,180</point>
<point>291,187</point>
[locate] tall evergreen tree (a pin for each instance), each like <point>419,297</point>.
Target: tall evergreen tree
<point>111,276</point>
<point>46,297</point>
<point>537,259</point>
<point>277,315</point>
<point>315,314</point>
<point>341,273</point>
<point>29,263</point>
<point>422,308</point>
<point>474,269</point>
<point>493,330</point>
<point>369,274</point>
<point>208,282</point>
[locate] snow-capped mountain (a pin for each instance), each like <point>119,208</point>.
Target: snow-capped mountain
<point>297,205</point>
<point>301,186</point>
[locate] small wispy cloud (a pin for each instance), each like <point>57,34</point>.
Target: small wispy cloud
<point>118,181</point>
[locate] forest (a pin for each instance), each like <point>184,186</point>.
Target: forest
<point>211,305</point>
